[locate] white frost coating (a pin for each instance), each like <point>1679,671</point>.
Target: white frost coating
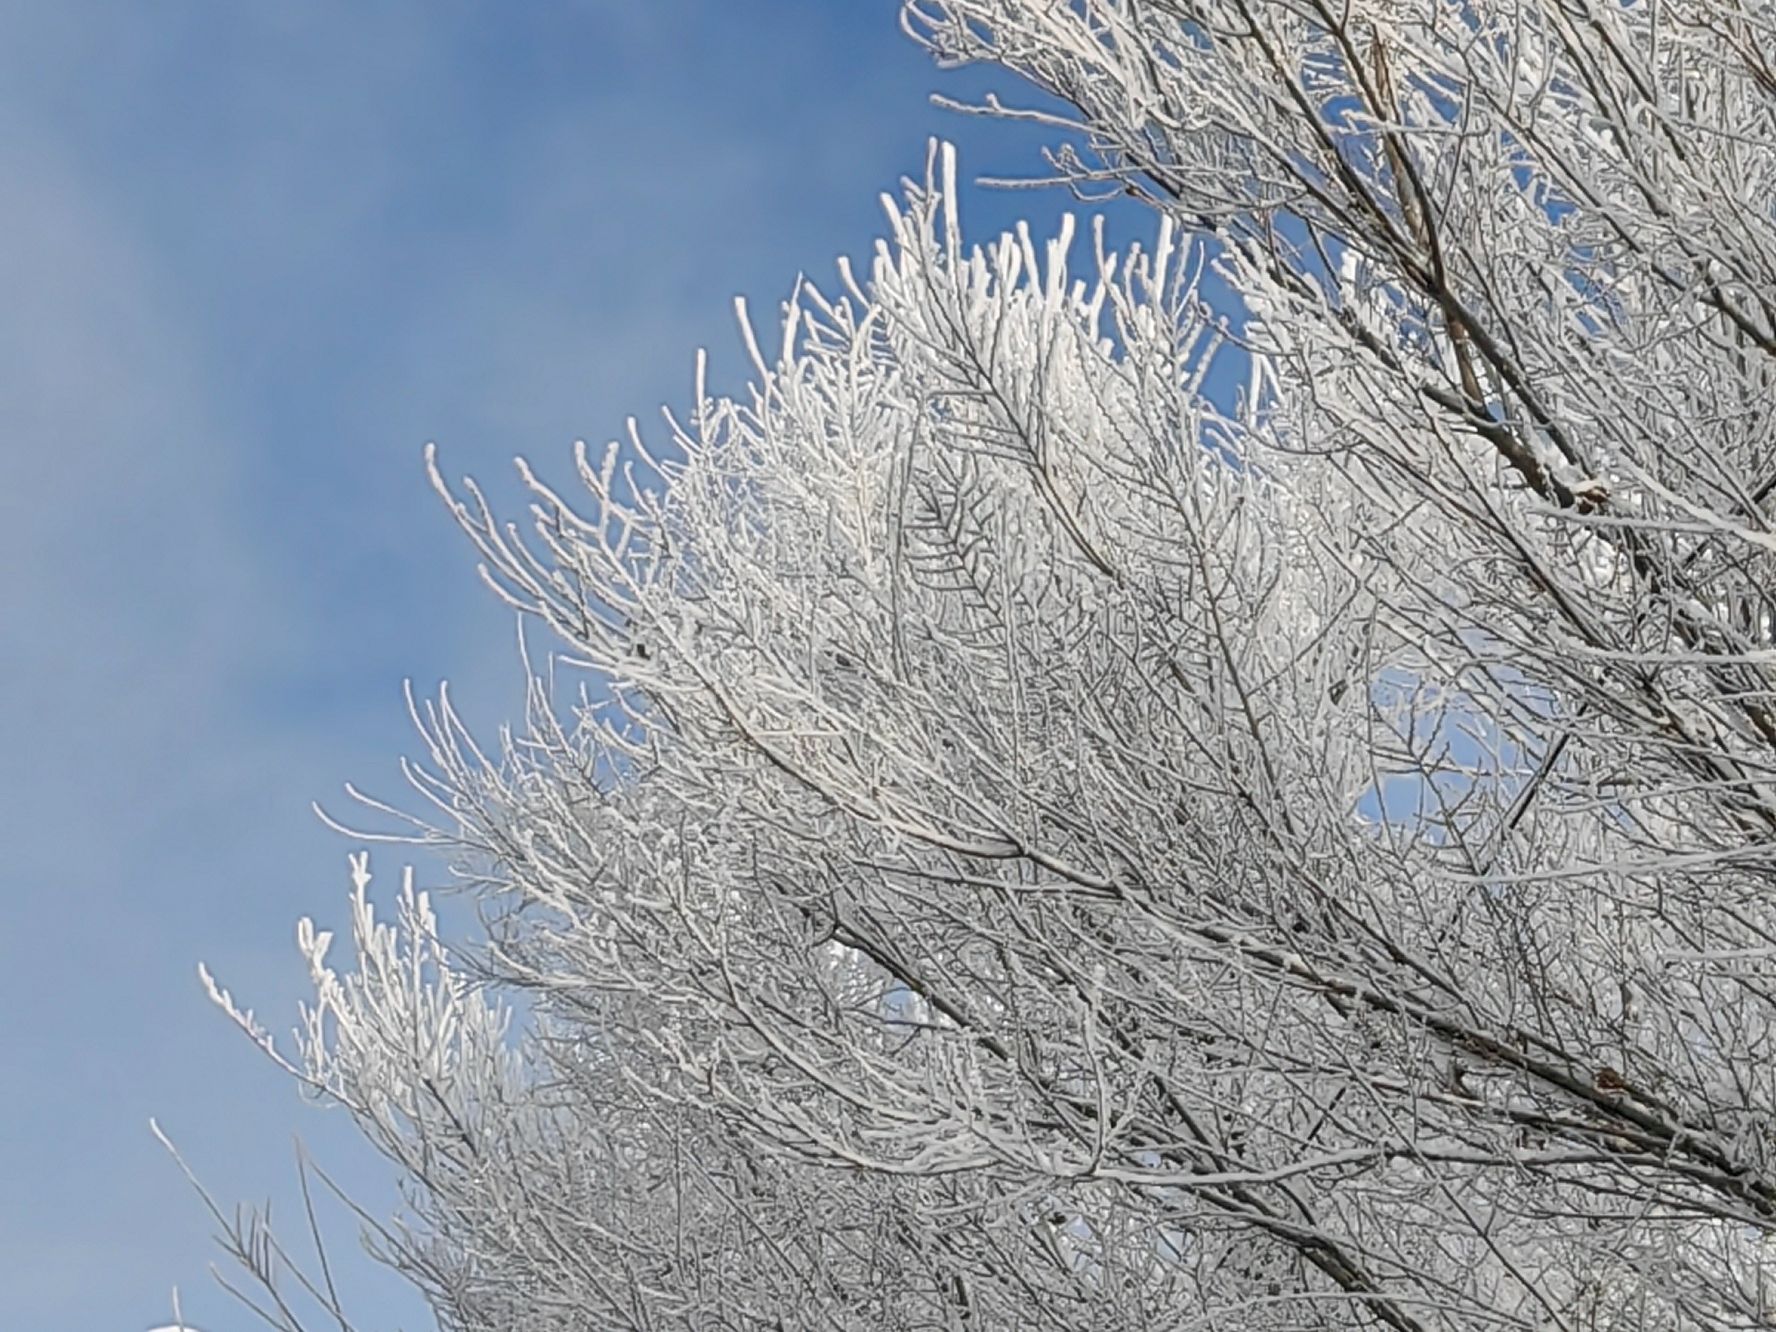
<point>1046,848</point>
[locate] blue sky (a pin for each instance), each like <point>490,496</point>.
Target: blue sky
<point>253,257</point>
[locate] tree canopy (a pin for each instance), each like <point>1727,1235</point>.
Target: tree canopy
<point>1049,839</point>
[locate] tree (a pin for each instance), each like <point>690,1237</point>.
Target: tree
<point>1067,853</point>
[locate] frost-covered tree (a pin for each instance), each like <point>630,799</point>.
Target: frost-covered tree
<point>1046,841</point>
